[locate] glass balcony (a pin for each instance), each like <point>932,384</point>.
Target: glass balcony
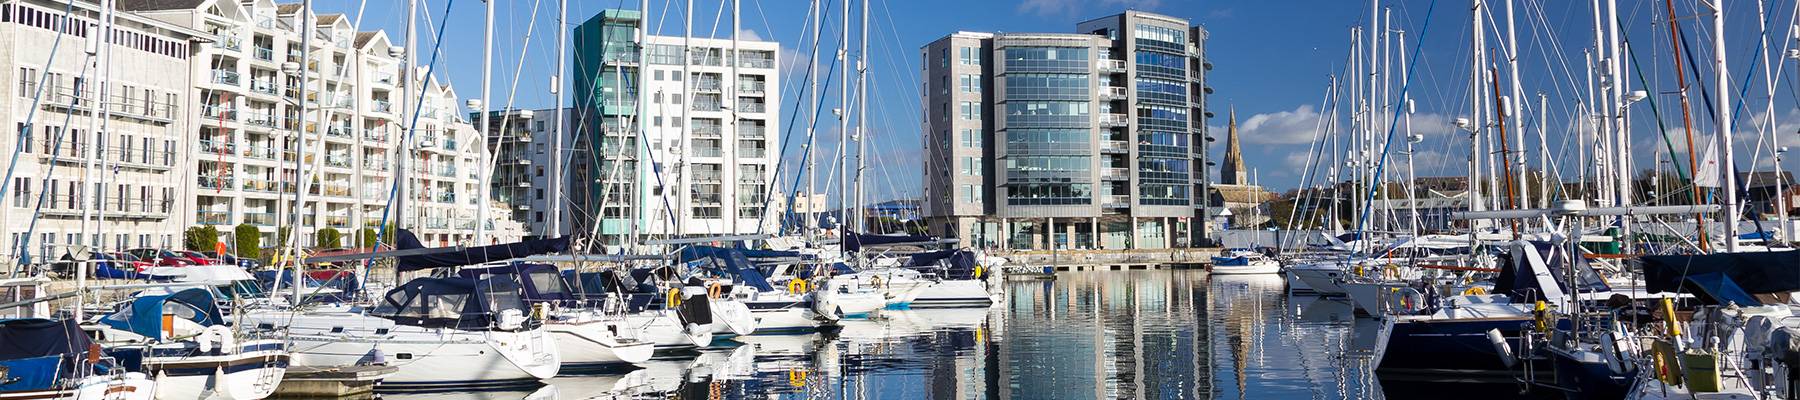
<point>263,86</point>
<point>265,54</point>
<point>228,42</point>
<point>213,217</point>
<point>259,152</point>
<point>260,219</point>
<point>225,77</point>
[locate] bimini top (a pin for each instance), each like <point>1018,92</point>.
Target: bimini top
<point>956,264</point>
<point>1712,277</point>
<point>460,303</point>
<point>405,240</point>
<point>143,315</point>
<point>727,262</point>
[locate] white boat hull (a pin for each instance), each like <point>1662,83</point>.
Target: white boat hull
<point>955,293</point>
<point>732,317</point>
<point>128,386</point>
<point>1323,280</point>
<point>252,370</point>
<point>426,358</point>
<point>1253,268</point>
<point>664,330</point>
<point>597,343</point>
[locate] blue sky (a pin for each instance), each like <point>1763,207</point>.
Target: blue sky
<point>1272,61</point>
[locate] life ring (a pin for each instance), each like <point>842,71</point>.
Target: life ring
<point>674,297</point>
<point>978,271</point>
<point>797,286</point>
<point>714,290</point>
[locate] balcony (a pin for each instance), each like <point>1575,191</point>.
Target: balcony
<point>339,222</point>
<point>223,146</point>
<point>1116,200</point>
<point>265,54</point>
<point>1112,66</point>
<point>707,86</point>
<point>1112,93</point>
<point>708,176</point>
<point>338,132</point>
<point>218,112</point>
<point>750,131</point>
<point>260,119</point>
<point>708,152</point>
<point>708,106</point>
<point>1114,120</point>
<point>259,152</point>
<point>750,107</point>
<point>337,190</point>
<point>1116,174</point>
<point>750,87</point>
<point>752,152</point>
<point>338,161</point>
<point>225,77</point>
<point>216,182</point>
<point>263,86</point>
<point>1115,146</point>
<point>375,164</point>
<point>707,130</point>
<point>258,185</point>
<point>753,62</point>
<point>260,219</point>
<point>383,106</point>
<point>384,78</point>
<point>213,217</point>
<point>227,42</point>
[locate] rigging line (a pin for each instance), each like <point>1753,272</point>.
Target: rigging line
<point>56,151</point>
<point>1405,86</point>
<point>812,128</point>
<point>1655,112</point>
<point>512,93</point>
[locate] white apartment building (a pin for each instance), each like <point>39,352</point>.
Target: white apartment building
<point>522,142</point>
<point>242,146</point>
<point>133,189</point>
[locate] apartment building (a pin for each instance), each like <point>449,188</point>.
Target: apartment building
<point>67,186</point>
<point>522,176</point>
<point>707,162</point>
<point>250,139</point>
<point>1092,140</point>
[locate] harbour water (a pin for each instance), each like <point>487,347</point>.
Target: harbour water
<point>1152,334</point>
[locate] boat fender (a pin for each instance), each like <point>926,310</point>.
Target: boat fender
<point>674,299</point>
<point>693,328</point>
<point>1475,291</point>
<point>1674,325</point>
<point>1610,352</point>
<point>1502,348</point>
<point>978,271</point>
<point>714,289</point>
<point>797,377</point>
<point>537,311</point>
<point>1541,312</point>
<point>1784,345</point>
<point>797,286</point>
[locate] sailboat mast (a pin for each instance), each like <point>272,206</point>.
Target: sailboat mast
<point>554,228</point>
<point>408,108</point>
<point>1474,123</point>
<point>736,30</point>
<point>1727,168</point>
<point>862,121</point>
<point>1513,107</point>
<point>687,95</point>
<point>1687,123</point>
<point>1621,124</point>
<point>843,114</point>
<point>487,110</point>
<point>306,35</point>
<point>1781,211</point>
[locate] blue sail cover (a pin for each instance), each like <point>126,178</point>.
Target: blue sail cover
<point>955,264</point>
<point>36,352</point>
<point>1754,272</point>
<point>727,262</point>
<point>143,315</point>
<point>1716,288</point>
<point>473,255</point>
<point>856,241</point>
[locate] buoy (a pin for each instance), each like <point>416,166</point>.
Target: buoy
<point>797,286</point>
<point>714,290</point>
<point>1501,347</point>
<point>674,297</point>
<point>796,378</point>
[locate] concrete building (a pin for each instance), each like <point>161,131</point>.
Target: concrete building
<point>250,138</point>
<point>131,194</point>
<point>709,151</point>
<point>1082,140</point>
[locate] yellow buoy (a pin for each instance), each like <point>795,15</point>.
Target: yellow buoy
<point>674,297</point>
<point>797,286</point>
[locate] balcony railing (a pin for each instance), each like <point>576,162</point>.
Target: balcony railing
<point>213,217</point>
<point>259,152</point>
<point>225,146</point>
<point>748,62</point>
<point>337,222</point>
<point>260,219</point>
<point>752,152</point>
<point>263,86</point>
<point>1114,119</point>
<point>338,131</point>
<point>217,182</point>
<point>1115,145</point>
<point>1115,174</point>
<point>708,106</point>
<point>260,119</point>
<point>703,176</point>
<point>383,106</point>
<point>707,130</point>
<point>374,164</point>
<point>265,54</point>
<point>1112,65</point>
<point>1118,199</point>
<point>750,131</point>
<point>225,77</point>
<point>1113,92</point>
<point>750,107</point>
<point>259,185</point>
<point>708,86</point>
<point>232,43</point>
<point>337,161</point>
<point>216,112</point>
<point>750,87</point>
<point>708,152</point>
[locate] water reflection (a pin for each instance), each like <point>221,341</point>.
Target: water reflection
<point>1116,334</point>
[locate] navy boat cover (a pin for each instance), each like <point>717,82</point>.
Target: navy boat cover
<point>1517,277</point>
<point>856,241</point>
<point>951,264</point>
<point>728,262</point>
<point>1753,272</point>
<point>143,315</point>
<point>540,282</point>
<point>461,303</point>
<point>473,255</point>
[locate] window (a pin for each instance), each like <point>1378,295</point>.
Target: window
<point>970,83</point>
<point>22,192</point>
<point>944,58</point>
<point>971,110</point>
<point>540,194</point>
<point>659,76</point>
<point>1167,36</point>
<point>969,55</point>
<point>24,137</point>
<point>539,216</point>
<point>28,81</point>
<point>971,138</point>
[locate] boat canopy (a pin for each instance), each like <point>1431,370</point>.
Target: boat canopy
<point>727,262</point>
<point>857,241</point>
<point>460,303</point>
<point>472,255</point>
<point>143,315</point>
<point>540,282</point>
<point>954,264</point>
<point>1537,270</point>
<point>1752,272</point>
<point>37,352</point>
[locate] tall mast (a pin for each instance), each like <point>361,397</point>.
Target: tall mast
<point>1781,211</point>
<point>736,80</point>
<point>306,35</point>
<point>556,140</point>
<point>408,109</point>
<point>487,111</point>
<point>1726,167</point>
<point>812,124</point>
<point>100,48</point>
<point>862,121</point>
<point>687,96</point>
<point>843,115</point>
<point>1475,124</point>
<point>1514,107</point>
<point>1621,124</point>
<point>1687,123</point>
<point>641,150</point>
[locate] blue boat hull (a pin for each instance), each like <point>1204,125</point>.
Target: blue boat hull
<point>1448,347</point>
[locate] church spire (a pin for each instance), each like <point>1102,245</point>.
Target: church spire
<point>1232,171</point>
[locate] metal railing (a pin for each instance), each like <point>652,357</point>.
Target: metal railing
<point>224,77</point>
<point>265,54</point>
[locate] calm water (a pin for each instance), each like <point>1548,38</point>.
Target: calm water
<point>1136,334</point>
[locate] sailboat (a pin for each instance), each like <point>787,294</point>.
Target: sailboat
<point>54,359</point>
<point>183,341</point>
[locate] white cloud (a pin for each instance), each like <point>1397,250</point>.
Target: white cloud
<point>750,35</point>
<point>1295,126</point>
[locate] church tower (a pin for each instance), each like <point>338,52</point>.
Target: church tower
<point>1232,171</point>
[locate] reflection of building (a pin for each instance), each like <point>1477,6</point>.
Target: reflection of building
<point>708,120</point>
<point>1085,140</point>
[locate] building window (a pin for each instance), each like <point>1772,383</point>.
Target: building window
<point>971,110</point>
<point>969,55</point>
<point>970,83</point>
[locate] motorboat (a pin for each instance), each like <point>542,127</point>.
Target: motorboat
<point>1242,262</point>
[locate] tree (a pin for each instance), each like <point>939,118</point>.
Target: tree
<point>330,238</point>
<point>367,237</point>
<point>249,241</point>
<point>200,238</point>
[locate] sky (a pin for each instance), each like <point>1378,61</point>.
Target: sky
<point>1273,62</point>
